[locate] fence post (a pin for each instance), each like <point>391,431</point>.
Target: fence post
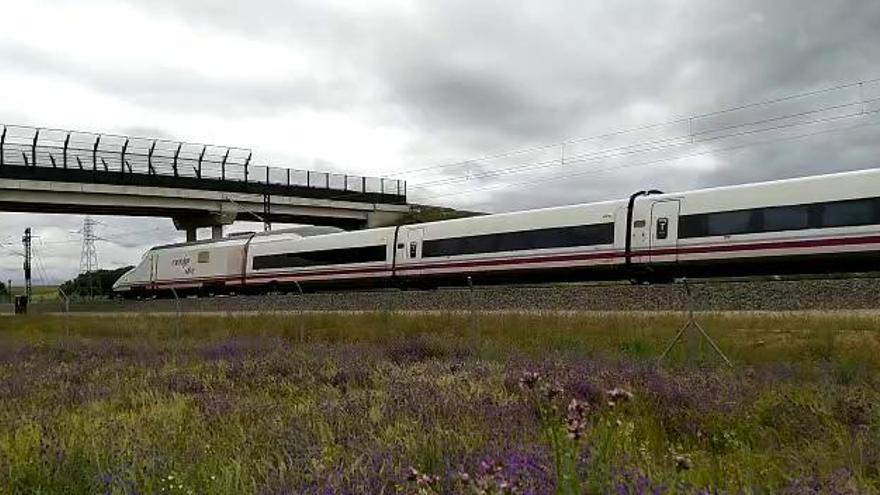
<point>300,313</point>
<point>201,157</point>
<point>64,150</point>
<point>95,153</point>
<point>122,156</point>
<point>66,299</point>
<point>34,147</point>
<point>247,162</point>
<point>223,165</point>
<point>473,307</point>
<point>176,155</point>
<point>150,168</point>
<point>2,145</point>
<point>179,313</point>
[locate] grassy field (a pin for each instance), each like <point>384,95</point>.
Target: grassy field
<point>45,293</point>
<point>439,403</point>
<point>40,293</point>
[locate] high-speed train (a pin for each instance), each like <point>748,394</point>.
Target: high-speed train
<point>826,223</point>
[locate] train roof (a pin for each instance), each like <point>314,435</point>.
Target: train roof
<point>791,181</point>
<point>513,214</point>
<point>304,231</point>
<point>310,231</point>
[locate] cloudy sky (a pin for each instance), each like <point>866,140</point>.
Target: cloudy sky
<point>468,100</point>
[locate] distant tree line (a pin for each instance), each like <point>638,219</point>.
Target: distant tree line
<point>428,213</point>
<point>2,289</point>
<point>96,283</point>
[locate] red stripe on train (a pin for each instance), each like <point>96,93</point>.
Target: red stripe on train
<point>757,246</point>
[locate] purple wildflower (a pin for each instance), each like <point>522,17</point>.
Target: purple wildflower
<point>576,419</point>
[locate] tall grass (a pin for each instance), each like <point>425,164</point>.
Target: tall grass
<point>438,403</point>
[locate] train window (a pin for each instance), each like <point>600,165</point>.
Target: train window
<point>557,237</point>
<point>786,218</point>
<point>844,213</point>
<point>204,257</point>
<point>692,226</point>
<point>343,256</point>
<point>662,228</point>
<point>781,218</point>
<point>730,222</point>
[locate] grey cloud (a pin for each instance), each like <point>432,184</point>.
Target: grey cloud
<point>188,91</point>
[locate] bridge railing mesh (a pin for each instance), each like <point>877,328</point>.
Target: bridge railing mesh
<point>41,148</point>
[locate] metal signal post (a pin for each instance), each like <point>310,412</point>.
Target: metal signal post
<point>26,241</point>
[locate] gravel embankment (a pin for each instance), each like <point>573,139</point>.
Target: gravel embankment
<point>789,295</point>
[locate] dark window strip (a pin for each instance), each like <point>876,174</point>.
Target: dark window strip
<point>341,256</point>
<point>848,213</point>
<point>558,237</point>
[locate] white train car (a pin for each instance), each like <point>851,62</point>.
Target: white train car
<point>565,242</point>
<point>204,267</point>
<point>827,223</point>
<point>208,266</point>
<point>363,257</point>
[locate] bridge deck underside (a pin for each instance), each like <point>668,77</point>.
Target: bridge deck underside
<point>135,211</point>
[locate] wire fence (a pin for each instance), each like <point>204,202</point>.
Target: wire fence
<point>125,156</point>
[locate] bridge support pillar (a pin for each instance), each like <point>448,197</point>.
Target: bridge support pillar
<point>214,220</point>
<point>383,218</point>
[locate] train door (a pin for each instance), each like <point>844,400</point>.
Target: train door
<point>409,250</point>
<point>154,267</point>
<point>639,241</point>
<point>663,240</point>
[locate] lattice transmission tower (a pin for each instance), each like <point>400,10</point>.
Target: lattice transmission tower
<point>88,259</point>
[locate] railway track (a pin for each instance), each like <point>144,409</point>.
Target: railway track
<point>844,292</point>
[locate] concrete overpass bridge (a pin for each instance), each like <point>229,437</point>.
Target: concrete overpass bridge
<point>196,185</point>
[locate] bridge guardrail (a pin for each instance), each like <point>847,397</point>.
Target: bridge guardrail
<point>107,158</point>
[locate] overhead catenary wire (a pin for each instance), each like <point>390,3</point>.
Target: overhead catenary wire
<point>42,272</point>
<point>13,252</point>
<point>661,160</point>
<point>678,120</point>
<point>690,138</point>
<point>661,144</point>
<point>123,234</point>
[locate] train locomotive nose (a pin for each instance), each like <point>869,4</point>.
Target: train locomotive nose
<point>122,280</point>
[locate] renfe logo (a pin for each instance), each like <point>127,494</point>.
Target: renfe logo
<point>185,263</point>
